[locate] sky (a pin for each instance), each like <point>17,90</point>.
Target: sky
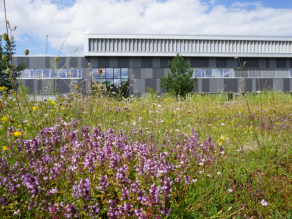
<point>57,27</point>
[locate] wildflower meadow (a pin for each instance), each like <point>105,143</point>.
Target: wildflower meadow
<point>97,156</point>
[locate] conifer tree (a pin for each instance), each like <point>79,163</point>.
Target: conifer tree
<point>5,79</point>
<point>179,80</point>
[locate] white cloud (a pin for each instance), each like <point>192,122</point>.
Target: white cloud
<point>42,17</point>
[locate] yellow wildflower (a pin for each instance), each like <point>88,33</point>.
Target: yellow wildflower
<point>35,108</point>
<point>16,134</point>
<point>4,148</point>
<point>4,119</point>
<point>223,137</point>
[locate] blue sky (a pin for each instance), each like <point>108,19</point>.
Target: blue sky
<point>35,19</point>
<point>265,3</point>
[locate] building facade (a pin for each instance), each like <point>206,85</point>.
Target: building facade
<point>267,63</point>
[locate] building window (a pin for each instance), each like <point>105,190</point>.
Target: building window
<point>111,76</point>
<point>213,73</point>
<point>290,73</point>
<point>51,74</point>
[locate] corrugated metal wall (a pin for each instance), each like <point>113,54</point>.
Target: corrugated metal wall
<point>190,46</point>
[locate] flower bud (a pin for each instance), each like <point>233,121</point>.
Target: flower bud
<point>77,87</point>
<point>26,52</point>
<point>4,58</point>
<point>5,36</point>
<point>56,59</point>
<point>8,71</point>
<point>100,71</point>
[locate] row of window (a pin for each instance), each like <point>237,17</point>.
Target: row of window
<point>111,73</point>
<point>213,73</point>
<point>50,73</point>
<point>246,73</point>
<point>123,73</point>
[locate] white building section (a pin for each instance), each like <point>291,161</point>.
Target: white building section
<point>187,45</point>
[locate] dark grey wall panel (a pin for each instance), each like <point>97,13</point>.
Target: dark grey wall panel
<point>232,63</point>
<point>84,62</point>
<point>158,72</point>
<point>82,86</point>
<point>221,62</point>
<point>41,62</point>
<point>62,86</point>
<point>103,62</point>
<point>262,63</point>
<point>20,61</point>
<point>131,90</point>
<point>156,62</point>
<point>290,63</point>
<point>137,73</point>
<point>61,62</point>
<point>113,61</point>
<point>151,83</point>
<point>272,63</point>
<point>40,87</point>
<point>267,63</point>
<point>264,83</point>
<point>281,63</point>
<point>278,84</point>
<point>248,85</point>
<point>30,84</point>
<point>123,62</point>
<point>164,61</point>
<point>205,85</point>
<point>200,62</point>
<point>15,61</point>
<point>286,84</point>
<point>33,62</point>
<point>135,62</point>
<point>250,62</point>
<point>48,62</point>
<point>73,63</point>
<point>231,85</point>
<point>146,62</point>
<point>212,62</point>
<point>196,88</point>
<point>94,62</point>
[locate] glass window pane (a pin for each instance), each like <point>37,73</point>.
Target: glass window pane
<point>208,73</point>
<point>109,83</point>
<point>74,73</point>
<point>221,73</point>
<point>215,73</point>
<point>39,73</point>
<point>232,73</point>
<point>125,82</point>
<point>109,72</point>
<point>198,73</point>
<point>124,72</point>
<point>47,73</point>
<point>26,73</point>
<point>117,82</point>
<point>290,73</point>
<point>55,73</point>
<point>226,73</point>
<point>117,73</point>
<point>62,73</point>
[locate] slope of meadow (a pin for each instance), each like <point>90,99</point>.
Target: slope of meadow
<point>147,157</point>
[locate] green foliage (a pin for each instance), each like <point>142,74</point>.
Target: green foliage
<point>179,81</point>
<point>5,79</point>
